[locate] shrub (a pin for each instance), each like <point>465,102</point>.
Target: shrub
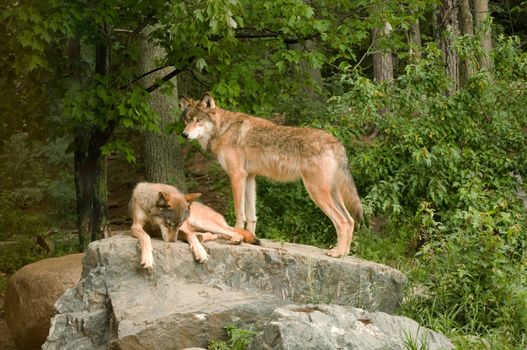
<point>443,174</point>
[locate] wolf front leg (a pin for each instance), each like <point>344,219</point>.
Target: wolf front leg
<point>250,202</point>
<point>232,163</point>
<point>199,252</point>
<point>147,258</point>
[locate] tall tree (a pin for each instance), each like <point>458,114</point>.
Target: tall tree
<point>482,23</point>
<point>467,28</point>
<point>162,157</point>
<point>414,38</point>
<point>449,32</point>
<point>89,163</point>
<point>382,57</point>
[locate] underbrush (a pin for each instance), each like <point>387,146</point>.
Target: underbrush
<point>439,186</point>
<point>239,339</point>
<point>37,201</point>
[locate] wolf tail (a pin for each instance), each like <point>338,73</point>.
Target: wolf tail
<point>346,187</point>
<point>248,237</point>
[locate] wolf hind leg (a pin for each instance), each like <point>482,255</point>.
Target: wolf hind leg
<point>215,223</point>
<point>339,200</point>
<point>320,191</point>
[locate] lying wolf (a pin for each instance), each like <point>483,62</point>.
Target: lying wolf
<point>163,209</point>
<point>247,146</point>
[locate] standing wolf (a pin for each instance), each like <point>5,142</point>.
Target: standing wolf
<point>247,146</point>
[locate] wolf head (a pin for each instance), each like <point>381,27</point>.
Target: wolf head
<point>199,124</point>
<point>174,210</point>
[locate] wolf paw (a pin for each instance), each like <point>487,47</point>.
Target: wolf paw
<point>147,260</point>
<point>236,239</point>
<point>200,254</point>
<point>335,253</point>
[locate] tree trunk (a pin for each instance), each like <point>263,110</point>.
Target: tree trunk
<point>482,22</point>
<point>91,187</point>
<point>449,31</point>
<point>467,66</point>
<point>414,38</point>
<point>382,58</point>
<point>310,77</point>
<point>90,165</point>
<point>162,156</point>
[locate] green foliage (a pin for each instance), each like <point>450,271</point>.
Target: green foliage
<point>444,169</point>
<point>19,252</point>
<point>295,217</point>
<point>442,179</point>
<point>22,249</point>
<point>35,175</point>
<point>239,339</point>
<point>438,185</point>
<point>37,196</point>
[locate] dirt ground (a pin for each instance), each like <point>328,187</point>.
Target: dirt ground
<point>122,177</point>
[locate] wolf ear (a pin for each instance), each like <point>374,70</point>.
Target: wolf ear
<point>191,197</point>
<point>208,102</point>
<point>163,199</point>
<point>184,102</point>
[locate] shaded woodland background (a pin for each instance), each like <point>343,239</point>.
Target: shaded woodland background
<point>429,97</point>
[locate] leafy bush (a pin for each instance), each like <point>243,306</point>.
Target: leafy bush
<point>20,252</point>
<point>37,186</point>
<point>443,174</point>
<point>37,195</point>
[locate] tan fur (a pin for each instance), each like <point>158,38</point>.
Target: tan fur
<point>147,206</point>
<point>196,222</point>
<point>206,224</point>
<point>247,146</point>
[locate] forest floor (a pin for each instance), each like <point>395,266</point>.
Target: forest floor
<point>202,175</point>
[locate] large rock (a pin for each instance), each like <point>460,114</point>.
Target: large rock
<point>314,327</point>
<point>183,304</point>
<point>31,294</point>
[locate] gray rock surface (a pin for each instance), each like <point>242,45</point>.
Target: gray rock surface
<point>182,304</point>
<point>315,327</point>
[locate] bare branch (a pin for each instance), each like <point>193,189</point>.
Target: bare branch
<point>166,78</point>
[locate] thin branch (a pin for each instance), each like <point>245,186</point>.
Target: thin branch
<point>148,73</point>
<point>368,52</point>
<point>245,34</point>
<point>166,78</point>
<point>197,79</point>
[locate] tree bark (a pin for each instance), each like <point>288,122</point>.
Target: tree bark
<point>382,57</point>
<point>162,156</point>
<point>482,24</point>
<point>449,31</point>
<point>467,28</point>
<point>414,38</point>
<point>91,187</point>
